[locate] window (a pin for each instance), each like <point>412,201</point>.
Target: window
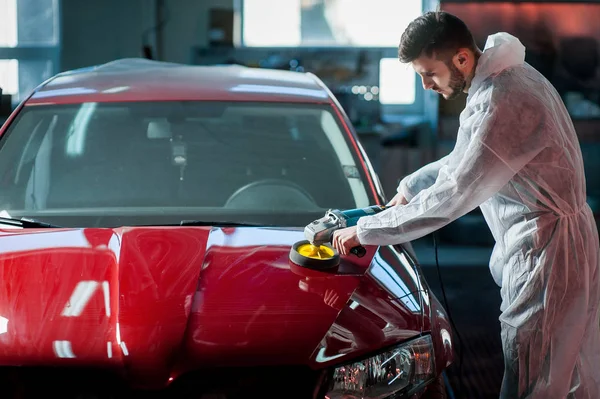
<point>29,45</point>
<point>396,82</point>
<point>168,161</point>
<point>373,24</point>
<point>329,23</point>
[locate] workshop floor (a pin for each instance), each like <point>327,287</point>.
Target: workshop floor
<point>474,301</point>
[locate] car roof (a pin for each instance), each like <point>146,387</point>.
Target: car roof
<point>148,80</point>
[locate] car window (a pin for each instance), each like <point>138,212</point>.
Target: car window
<point>151,162</point>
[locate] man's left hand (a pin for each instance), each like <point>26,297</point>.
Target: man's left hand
<point>345,239</point>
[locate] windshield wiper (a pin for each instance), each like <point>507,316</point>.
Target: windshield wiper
<point>26,223</point>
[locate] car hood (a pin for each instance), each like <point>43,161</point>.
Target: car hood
<point>155,302</point>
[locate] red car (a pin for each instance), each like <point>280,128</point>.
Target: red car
<point>147,214</point>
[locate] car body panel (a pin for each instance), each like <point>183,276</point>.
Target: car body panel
<point>381,312</point>
<point>92,297</point>
<point>160,301</point>
<point>140,80</point>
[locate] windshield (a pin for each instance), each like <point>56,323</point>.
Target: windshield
<point>113,164</point>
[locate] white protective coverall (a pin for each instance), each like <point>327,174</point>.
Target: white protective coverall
<point>518,158</point>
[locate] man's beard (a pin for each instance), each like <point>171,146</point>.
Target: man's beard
<point>457,82</point>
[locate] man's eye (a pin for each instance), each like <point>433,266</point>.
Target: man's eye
<point>430,74</point>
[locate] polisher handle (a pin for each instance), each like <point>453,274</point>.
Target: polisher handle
<point>359,251</point>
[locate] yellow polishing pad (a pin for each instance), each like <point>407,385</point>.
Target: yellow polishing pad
<point>321,257</point>
<point>314,252</point>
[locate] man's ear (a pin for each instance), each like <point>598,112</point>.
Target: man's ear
<point>461,59</point>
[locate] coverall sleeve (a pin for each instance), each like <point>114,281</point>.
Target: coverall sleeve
<point>421,179</point>
<point>506,134</point>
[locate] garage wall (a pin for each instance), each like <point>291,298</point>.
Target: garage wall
<point>97,31</point>
<point>188,26</point>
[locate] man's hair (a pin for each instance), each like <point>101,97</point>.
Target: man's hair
<point>435,32</point>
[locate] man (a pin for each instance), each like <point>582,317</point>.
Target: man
<point>517,157</point>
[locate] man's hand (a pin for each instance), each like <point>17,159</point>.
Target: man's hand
<point>345,239</point>
<point>398,200</point>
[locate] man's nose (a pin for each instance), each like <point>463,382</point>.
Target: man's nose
<point>427,83</point>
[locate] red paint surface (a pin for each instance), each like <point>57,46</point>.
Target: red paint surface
<point>172,299</point>
<point>151,81</point>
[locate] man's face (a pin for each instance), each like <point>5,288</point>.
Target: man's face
<point>442,77</point>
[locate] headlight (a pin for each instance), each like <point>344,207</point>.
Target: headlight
<point>399,369</point>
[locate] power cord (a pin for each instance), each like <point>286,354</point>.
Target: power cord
<point>460,367</point>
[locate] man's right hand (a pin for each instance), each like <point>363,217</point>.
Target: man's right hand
<point>398,200</point>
